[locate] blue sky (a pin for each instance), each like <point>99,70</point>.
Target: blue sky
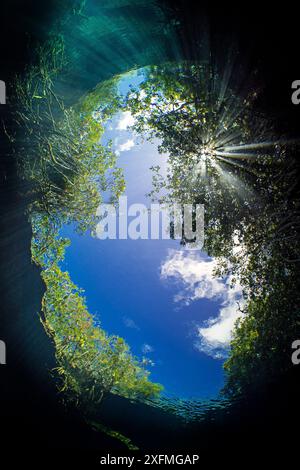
<point>162,299</point>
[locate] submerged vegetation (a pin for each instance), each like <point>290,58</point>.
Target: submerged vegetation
<point>60,155</point>
<point>65,171</point>
<point>222,154</point>
<point>91,363</point>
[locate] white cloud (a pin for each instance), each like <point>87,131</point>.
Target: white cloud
<point>130,323</point>
<point>214,338</point>
<point>197,277</point>
<point>147,348</point>
<point>125,146</point>
<point>125,121</point>
<point>195,273</point>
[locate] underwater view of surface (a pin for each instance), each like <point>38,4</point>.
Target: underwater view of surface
<point>160,222</point>
<point>147,291</point>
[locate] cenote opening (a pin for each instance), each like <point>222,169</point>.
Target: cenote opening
<point>155,341</point>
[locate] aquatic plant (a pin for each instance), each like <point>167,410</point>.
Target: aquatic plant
<point>65,169</point>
